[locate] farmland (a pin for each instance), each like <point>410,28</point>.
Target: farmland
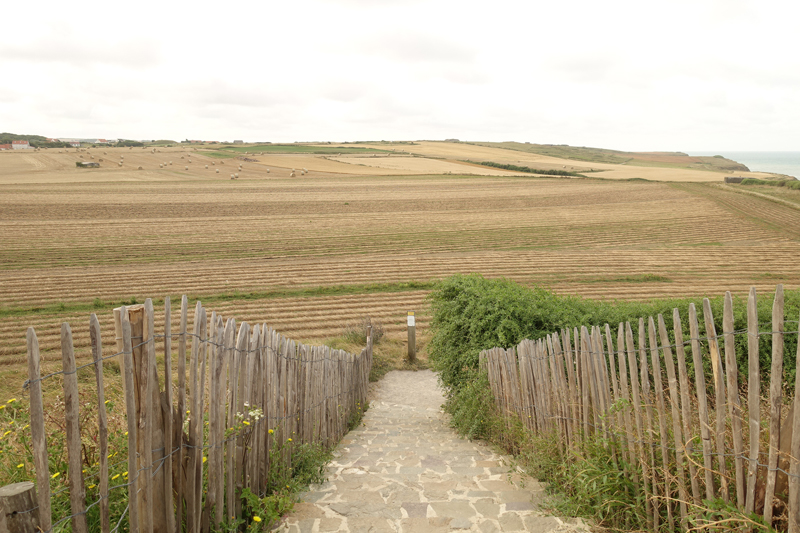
<point>360,234</point>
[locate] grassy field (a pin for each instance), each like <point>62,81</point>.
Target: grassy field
<point>310,254</point>
<point>299,149</point>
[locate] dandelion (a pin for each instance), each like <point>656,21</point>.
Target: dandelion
<point>12,400</point>
<point>256,519</point>
<point>91,486</point>
<point>3,406</point>
<point>106,402</point>
<point>246,423</point>
<point>21,465</point>
<point>290,440</point>
<point>6,433</point>
<point>57,474</point>
<point>205,459</point>
<point>270,432</point>
<point>125,474</point>
<point>115,477</point>
<point>126,433</point>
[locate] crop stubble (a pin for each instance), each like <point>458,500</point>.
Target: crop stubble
<point>76,242</point>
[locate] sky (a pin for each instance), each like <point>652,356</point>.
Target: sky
<point>629,75</point>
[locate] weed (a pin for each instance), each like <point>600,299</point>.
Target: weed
<point>356,332</point>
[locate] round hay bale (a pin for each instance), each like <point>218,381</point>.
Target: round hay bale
<point>181,157</point>
<point>140,168</point>
<point>186,168</point>
<point>206,167</point>
<point>91,156</point>
<point>59,151</point>
<point>237,175</point>
<point>267,171</point>
<point>217,171</point>
<point>80,156</point>
<point>190,161</point>
<point>170,162</point>
<point>120,163</point>
<point>161,165</point>
<point>101,159</point>
<point>291,175</point>
<point>105,153</point>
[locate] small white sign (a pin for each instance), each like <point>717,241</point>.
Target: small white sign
<point>411,322</point>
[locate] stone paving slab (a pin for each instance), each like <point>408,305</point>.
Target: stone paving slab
<point>405,471</point>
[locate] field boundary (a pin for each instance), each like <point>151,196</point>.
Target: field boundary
<point>250,401</point>
<point>681,444</point>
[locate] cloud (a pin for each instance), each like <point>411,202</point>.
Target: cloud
<point>414,47</point>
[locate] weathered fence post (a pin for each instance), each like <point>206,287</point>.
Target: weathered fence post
<point>412,337</point>
<point>19,512</point>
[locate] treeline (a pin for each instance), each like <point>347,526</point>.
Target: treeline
<point>37,141</point>
<point>529,170</point>
<point>789,184</point>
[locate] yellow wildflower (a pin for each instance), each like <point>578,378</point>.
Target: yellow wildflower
<point>91,486</point>
<point>246,423</point>
<point>12,400</point>
<point>20,465</point>
<point>256,519</point>
<point>290,440</point>
<point>125,474</point>
<point>115,477</point>
<point>270,432</point>
<point>205,459</point>
<point>55,475</point>
<point>3,406</point>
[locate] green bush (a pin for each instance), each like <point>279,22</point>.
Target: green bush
<point>472,313</point>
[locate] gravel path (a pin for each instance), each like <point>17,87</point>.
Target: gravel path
<point>404,470</point>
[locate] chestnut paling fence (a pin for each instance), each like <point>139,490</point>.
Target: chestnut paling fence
<point>237,397</point>
<point>682,440</point>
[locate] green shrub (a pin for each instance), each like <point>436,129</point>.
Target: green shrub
<point>472,313</point>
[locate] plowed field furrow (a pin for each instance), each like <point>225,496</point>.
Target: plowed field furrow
<point>171,233</point>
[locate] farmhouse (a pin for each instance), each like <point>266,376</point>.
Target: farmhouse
<point>5,146</point>
<point>238,141</point>
<point>20,145</point>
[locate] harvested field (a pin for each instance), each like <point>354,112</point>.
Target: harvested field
<point>309,255</point>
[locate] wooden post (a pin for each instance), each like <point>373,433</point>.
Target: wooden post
<point>38,434</point>
<point>102,422</point>
<point>77,490</point>
<point>775,393</point>
<point>19,512</point>
<point>412,337</point>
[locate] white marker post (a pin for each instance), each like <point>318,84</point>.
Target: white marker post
<point>412,337</point>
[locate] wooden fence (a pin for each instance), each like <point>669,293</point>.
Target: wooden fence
<point>680,442</point>
<point>254,390</point>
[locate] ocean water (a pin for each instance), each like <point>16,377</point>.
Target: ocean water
<point>780,162</point>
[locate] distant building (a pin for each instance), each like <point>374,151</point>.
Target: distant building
<point>20,145</point>
<point>237,142</point>
<point>75,144</point>
<point>733,179</point>
<point>5,146</point>
<point>87,164</point>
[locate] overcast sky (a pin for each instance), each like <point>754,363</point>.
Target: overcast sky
<point>631,75</point>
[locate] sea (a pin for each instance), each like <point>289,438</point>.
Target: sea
<point>779,162</point>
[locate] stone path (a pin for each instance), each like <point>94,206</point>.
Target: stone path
<point>404,470</point>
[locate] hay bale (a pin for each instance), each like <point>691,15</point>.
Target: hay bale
<point>291,175</point>
<point>120,163</point>
<point>140,168</point>
<point>186,168</point>
<point>161,165</point>
<point>217,171</point>
<point>267,171</point>
<point>181,157</point>
<point>206,167</point>
<point>237,175</point>
<point>101,159</point>
<point>91,156</point>
<point>190,161</point>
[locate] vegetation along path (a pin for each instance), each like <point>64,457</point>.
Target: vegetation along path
<point>405,470</point>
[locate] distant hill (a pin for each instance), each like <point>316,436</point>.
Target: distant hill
<point>6,137</point>
<point>617,157</point>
